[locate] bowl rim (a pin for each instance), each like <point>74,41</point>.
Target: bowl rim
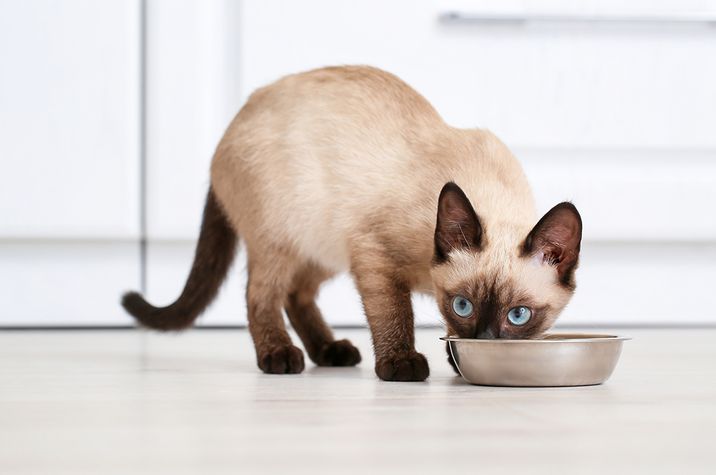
<point>567,338</point>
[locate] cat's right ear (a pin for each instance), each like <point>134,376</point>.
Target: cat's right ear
<point>458,226</point>
<point>557,238</point>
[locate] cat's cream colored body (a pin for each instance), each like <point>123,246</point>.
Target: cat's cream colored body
<point>318,159</point>
<point>349,169</point>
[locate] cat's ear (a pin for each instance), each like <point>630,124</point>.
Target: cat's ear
<point>557,238</point>
<point>458,226</point>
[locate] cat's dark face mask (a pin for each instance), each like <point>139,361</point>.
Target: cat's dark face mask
<point>489,308</point>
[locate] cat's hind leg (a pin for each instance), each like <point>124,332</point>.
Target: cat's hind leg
<point>270,274</point>
<point>307,321</point>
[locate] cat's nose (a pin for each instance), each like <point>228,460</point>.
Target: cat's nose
<point>486,334</point>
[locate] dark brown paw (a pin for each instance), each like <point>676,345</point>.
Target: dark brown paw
<point>450,358</point>
<point>286,359</point>
<point>338,353</point>
<point>403,367</point>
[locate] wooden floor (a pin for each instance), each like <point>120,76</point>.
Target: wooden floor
<point>130,402</point>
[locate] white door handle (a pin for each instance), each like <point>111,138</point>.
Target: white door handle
<point>497,19</point>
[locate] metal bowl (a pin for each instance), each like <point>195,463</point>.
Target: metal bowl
<point>553,360</point>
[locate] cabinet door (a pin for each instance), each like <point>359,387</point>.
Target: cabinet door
<point>69,119</point>
<point>69,186</point>
<point>192,94</point>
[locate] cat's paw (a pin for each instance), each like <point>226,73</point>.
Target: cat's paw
<point>338,353</point>
<point>410,366</point>
<point>450,359</point>
<point>284,359</point>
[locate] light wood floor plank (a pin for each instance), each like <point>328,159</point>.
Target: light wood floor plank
<point>128,402</point>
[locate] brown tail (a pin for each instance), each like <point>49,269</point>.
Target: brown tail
<point>212,259</point>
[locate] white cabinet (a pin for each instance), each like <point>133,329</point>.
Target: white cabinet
<point>618,116</point>
<point>70,154</point>
<point>69,111</point>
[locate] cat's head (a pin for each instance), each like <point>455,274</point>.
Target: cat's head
<point>497,284</point>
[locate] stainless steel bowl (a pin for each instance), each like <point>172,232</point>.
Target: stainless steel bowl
<point>554,360</point>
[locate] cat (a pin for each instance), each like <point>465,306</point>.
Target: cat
<point>350,169</point>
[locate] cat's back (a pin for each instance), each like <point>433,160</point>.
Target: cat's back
<point>327,126</point>
<point>341,109</point>
<point>307,151</point>
<point>352,92</point>
<point>316,156</point>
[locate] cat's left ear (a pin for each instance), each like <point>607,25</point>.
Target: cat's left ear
<point>458,226</point>
<point>558,237</point>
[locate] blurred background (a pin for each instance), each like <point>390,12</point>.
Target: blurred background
<point>110,111</point>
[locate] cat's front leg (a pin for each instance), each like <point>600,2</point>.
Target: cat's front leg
<point>387,305</point>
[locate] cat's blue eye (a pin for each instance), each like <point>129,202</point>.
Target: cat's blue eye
<point>461,306</point>
<point>519,315</point>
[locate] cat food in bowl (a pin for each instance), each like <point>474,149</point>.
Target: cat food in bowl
<point>553,360</point>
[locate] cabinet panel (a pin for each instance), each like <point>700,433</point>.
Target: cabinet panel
<point>647,196</point>
<point>66,283</point>
<point>192,94</point>
<point>574,85</point>
<point>69,116</point>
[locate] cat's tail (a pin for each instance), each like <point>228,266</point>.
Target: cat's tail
<point>212,259</point>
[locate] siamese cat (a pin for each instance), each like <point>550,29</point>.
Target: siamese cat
<point>349,169</point>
